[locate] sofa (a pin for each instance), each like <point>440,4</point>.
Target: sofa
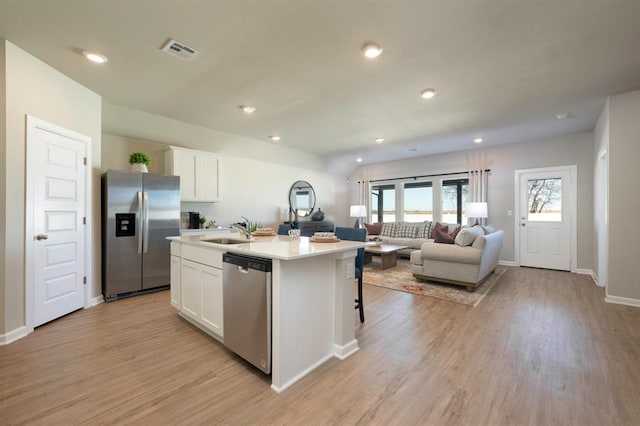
<point>467,262</point>
<point>410,234</point>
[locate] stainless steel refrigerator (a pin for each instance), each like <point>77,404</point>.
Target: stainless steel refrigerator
<point>139,210</point>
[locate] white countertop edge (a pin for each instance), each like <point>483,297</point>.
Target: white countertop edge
<point>276,247</point>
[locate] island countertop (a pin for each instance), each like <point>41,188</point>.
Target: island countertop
<point>274,247</point>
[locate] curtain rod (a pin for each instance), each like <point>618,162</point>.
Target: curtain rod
<point>422,176</point>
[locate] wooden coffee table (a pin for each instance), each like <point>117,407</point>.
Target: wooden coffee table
<point>388,254</point>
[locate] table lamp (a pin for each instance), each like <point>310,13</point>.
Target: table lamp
<point>358,211</point>
<point>477,210</point>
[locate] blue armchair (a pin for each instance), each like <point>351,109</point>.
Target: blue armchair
<point>355,234</point>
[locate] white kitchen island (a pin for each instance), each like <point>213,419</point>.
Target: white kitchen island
<point>313,316</point>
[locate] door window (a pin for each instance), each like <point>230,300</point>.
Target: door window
<point>544,200</point>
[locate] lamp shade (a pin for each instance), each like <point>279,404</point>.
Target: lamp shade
<point>358,211</point>
<point>477,210</point>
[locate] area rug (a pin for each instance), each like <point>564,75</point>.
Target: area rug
<point>400,278</point>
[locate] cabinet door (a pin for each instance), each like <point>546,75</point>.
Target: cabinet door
<point>184,165</point>
<point>191,285</point>
<point>207,182</point>
<point>212,299</point>
<point>175,282</point>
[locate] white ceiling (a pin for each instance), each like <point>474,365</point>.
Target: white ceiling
<point>502,68</point>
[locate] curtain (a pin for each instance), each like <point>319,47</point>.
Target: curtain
<point>478,183</point>
<point>364,193</point>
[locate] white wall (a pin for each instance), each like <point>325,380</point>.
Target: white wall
<point>624,197</point>
<point>249,187</point>
<point>3,187</point>
<point>503,161</point>
<point>119,120</point>
<point>600,195</point>
<point>34,88</point>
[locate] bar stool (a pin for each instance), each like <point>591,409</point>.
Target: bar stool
<point>355,234</point>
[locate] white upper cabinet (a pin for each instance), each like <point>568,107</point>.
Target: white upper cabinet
<point>199,173</point>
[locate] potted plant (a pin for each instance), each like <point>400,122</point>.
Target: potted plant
<point>139,162</point>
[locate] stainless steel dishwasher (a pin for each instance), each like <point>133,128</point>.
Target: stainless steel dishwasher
<point>247,308</point>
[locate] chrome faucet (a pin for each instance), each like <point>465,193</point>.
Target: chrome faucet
<point>244,230</point>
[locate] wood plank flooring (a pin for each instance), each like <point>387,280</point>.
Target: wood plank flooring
<point>542,348</point>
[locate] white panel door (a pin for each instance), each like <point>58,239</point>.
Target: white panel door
<point>184,165</point>
<point>191,289</point>
<point>212,313</point>
<point>207,182</point>
<point>545,219</point>
<point>57,175</point>
<point>175,281</point>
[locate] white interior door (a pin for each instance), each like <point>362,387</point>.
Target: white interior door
<point>545,219</point>
<point>56,177</point>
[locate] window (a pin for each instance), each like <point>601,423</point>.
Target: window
<point>454,198</point>
<point>545,200</point>
<point>418,202</point>
<point>383,203</point>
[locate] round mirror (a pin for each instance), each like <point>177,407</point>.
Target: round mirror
<point>302,197</point>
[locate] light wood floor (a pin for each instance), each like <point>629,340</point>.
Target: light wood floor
<point>542,348</point>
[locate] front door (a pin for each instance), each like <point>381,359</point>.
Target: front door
<point>545,219</point>
<point>56,177</point>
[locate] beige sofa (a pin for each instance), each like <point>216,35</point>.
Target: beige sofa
<point>410,234</point>
<point>466,265</point>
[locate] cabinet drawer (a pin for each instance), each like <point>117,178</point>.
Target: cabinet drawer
<point>201,255</point>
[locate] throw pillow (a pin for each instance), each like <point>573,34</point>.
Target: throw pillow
<point>424,229</point>
<point>446,238</point>
<point>488,229</point>
<point>406,231</point>
<point>467,236</point>
<point>388,229</point>
<point>373,228</point>
<point>438,226</point>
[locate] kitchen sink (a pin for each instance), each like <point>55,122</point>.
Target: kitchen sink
<point>225,240</point>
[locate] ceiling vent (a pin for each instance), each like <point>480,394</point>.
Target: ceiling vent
<point>180,50</point>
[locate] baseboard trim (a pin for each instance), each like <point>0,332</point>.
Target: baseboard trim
<point>96,301</point>
<point>589,272</point>
<point>506,263</point>
<point>345,351</point>
<point>14,335</point>
<point>283,387</point>
<point>623,301</point>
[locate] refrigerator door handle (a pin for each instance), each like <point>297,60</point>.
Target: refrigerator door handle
<point>145,203</point>
<point>140,222</point>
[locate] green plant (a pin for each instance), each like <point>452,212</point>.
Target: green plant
<point>254,225</point>
<point>139,158</point>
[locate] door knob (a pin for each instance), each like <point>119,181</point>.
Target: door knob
<point>523,224</point>
<point>42,237</point>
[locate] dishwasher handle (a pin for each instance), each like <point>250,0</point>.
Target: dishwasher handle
<point>248,262</point>
<point>242,269</point>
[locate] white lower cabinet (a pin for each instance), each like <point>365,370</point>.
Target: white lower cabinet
<point>211,315</point>
<point>175,281</point>
<point>200,296</point>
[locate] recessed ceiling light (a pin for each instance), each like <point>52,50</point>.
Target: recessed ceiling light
<point>565,115</point>
<point>371,50</point>
<point>412,150</point>
<point>359,160</point>
<point>95,57</point>
<point>379,140</point>
<point>478,140</point>
<point>428,93</point>
<point>247,108</point>
<point>274,138</point>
